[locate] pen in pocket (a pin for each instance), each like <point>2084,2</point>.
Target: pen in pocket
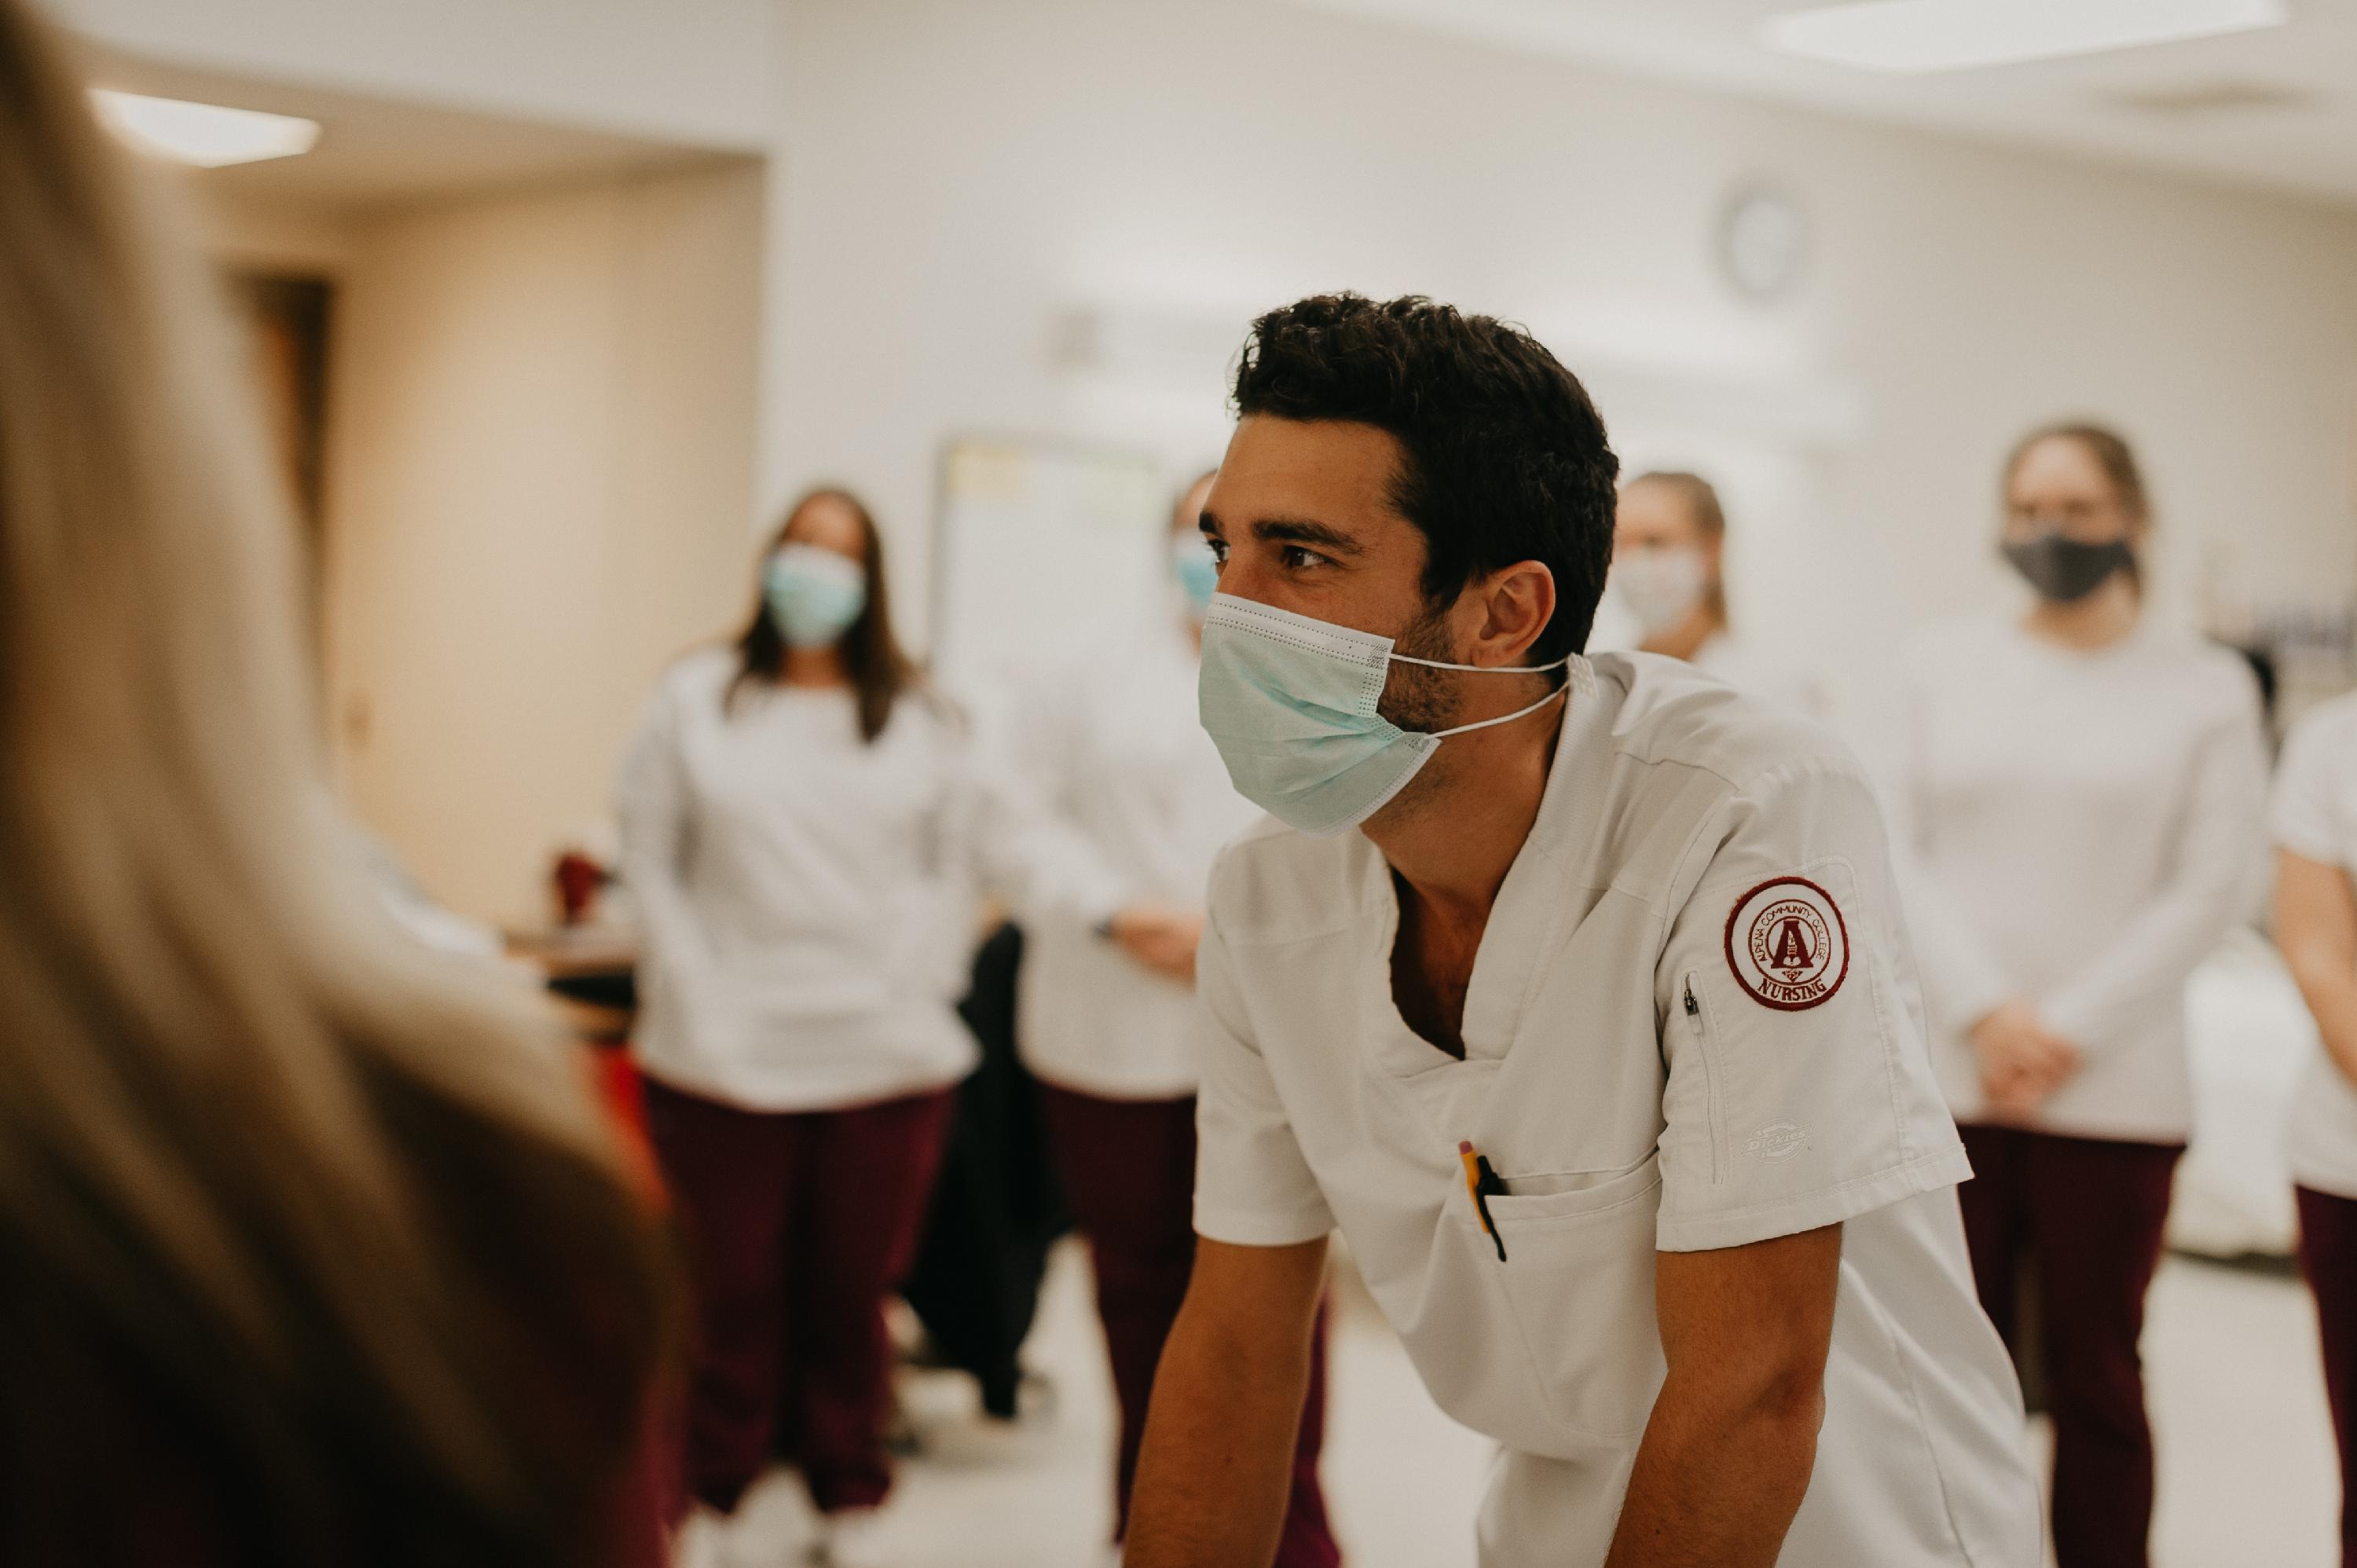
<point>1483,1184</point>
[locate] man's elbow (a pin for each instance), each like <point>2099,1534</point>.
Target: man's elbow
<point>1790,1400</point>
<point>1774,1416</point>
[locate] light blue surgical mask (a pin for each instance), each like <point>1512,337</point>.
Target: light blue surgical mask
<point>1290,701</point>
<point>1198,572</point>
<point>813,594</point>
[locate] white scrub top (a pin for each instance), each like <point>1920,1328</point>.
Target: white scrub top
<point>1111,747</point>
<point>2316,819</point>
<point>1693,1023</point>
<point>1744,666</point>
<point>807,897</point>
<point>2080,829</point>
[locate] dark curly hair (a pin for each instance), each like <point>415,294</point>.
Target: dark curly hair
<point>1503,457</point>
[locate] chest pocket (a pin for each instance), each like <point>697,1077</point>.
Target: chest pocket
<point>1578,1286</point>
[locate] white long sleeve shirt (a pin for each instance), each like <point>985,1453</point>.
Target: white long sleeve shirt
<point>807,897</point>
<point>2078,829</point>
<point>1112,747</point>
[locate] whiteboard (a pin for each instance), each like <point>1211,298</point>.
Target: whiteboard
<point>1043,549</point>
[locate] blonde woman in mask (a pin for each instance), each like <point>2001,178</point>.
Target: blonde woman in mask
<point>1668,547</point>
<point>2081,802</point>
<point>315,1249</point>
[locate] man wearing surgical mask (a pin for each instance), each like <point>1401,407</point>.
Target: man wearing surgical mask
<point>1668,572</point>
<point>1105,1014</point>
<point>1574,993</point>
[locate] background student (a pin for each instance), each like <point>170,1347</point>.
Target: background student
<point>786,812</point>
<point>2081,792</point>
<point>1107,1016</point>
<point>2316,924</point>
<point>1669,554</point>
<point>314,1250</point>
<point>806,829</point>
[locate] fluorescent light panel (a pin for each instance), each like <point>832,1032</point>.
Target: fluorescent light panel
<point>210,135</point>
<point>1915,37</point>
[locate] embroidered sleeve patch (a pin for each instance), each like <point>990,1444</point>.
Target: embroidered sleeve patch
<point>1787,944</point>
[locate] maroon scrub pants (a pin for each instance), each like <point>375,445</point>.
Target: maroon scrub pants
<point>1128,1168</point>
<point>796,1224</point>
<point>2088,1214</point>
<point>2327,1256</point>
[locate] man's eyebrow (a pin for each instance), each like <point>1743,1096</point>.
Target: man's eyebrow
<point>1302,531</point>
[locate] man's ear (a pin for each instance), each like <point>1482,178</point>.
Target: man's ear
<point>1517,602</point>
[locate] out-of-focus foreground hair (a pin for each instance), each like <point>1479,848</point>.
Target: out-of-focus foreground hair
<point>334,1228</point>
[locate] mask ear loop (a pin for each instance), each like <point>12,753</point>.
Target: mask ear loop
<point>1485,669</point>
<point>1581,676</point>
<point>1505,719</point>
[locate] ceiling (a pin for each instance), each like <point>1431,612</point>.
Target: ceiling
<point>2275,108</point>
<point>376,153</point>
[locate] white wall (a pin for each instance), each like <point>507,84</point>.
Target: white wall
<point>951,183</point>
<point>695,70</point>
<point>539,469</point>
<point>958,176</point>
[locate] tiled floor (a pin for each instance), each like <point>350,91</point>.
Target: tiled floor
<point>2247,1476</point>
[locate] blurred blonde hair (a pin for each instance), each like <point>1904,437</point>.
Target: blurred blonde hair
<point>1701,499</point>
<point>235,1105</point>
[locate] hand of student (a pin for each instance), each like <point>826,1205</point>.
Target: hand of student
<point>2022,1062</point>
<point>1160,938</point>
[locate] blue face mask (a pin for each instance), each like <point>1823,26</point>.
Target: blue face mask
<point>1198,572</point>
<point>813,594</point>
<point>1291,703</point>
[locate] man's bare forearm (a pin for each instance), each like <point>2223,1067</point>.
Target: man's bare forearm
<point>1718,1480</point>
<point>1215,1473</point>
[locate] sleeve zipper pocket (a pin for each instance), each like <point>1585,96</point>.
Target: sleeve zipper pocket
<point>1698,1026</point>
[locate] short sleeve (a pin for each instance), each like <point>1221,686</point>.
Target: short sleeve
<point>1253,1187</point>
<point>1800,1092</point>
<point>2304,816</point>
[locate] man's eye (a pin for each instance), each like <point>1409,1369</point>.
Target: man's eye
<point>1297,558</point>
<point>1218,550</point>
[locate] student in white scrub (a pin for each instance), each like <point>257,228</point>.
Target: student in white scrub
<point>2083,794</point>
<point>1575,994</point>
<point>794,816</point>
<point>2316,925</point>
<point>1668,572</point>
<point>1106,1018</point>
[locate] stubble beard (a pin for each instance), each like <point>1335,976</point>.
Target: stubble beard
<point>1422,701</point>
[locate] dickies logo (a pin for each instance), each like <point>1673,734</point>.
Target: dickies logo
<point>1787,944</point>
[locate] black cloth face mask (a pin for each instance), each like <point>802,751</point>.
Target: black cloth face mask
<point>2068,570</point>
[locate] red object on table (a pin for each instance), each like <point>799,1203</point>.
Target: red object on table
<point>578,881</point>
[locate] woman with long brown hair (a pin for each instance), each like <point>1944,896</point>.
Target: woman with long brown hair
<point>798,828</point>
<point>2082,801</point>
<point>314,1249</point>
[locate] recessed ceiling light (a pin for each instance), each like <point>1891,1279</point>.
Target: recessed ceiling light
<point>209,136</point>
<point>1912,36</point>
